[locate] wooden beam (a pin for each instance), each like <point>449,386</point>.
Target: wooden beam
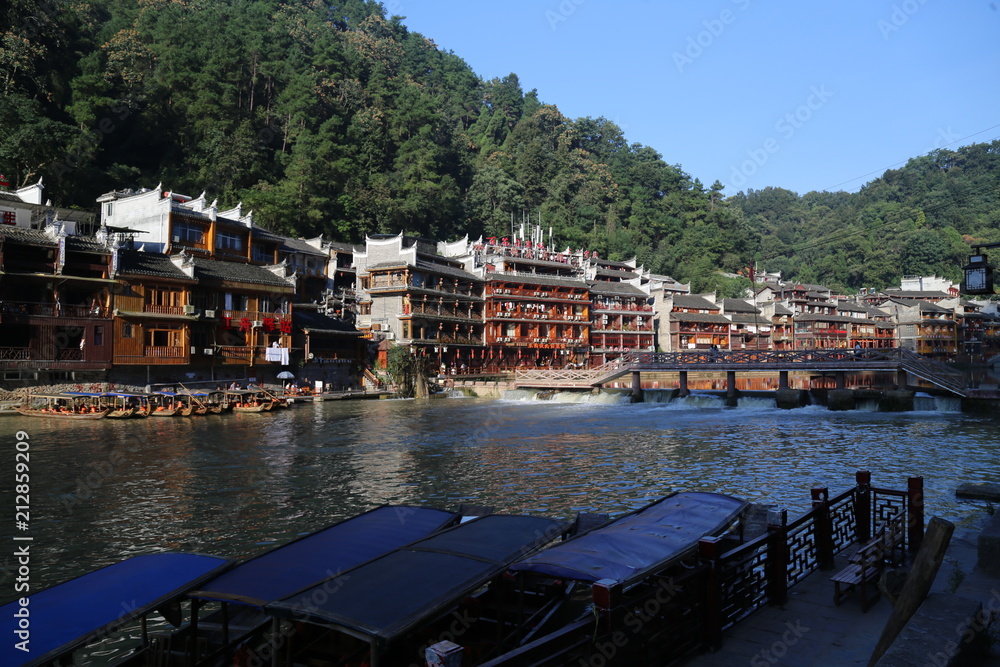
<point>918,583</point>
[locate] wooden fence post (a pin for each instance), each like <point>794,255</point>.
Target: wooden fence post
<point>915,504</point>
<point>710,549</point>
<point>824,529</point>
<point>777,560</point>
<point>863,506</point>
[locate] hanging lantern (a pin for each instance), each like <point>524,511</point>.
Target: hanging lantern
<point>978,275</point>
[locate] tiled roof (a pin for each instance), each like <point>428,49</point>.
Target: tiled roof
<point>10,196</point>
<point>209,269</point>
<point>816,317</point>
<point>747,318</point>
<point>344,247</point>
<point>448,271</point>
<point>610,264</point>
<point>929,307</point>
<point>913,294</point>
<point>699,317</point>
<point>738,306</point>
<point>86,244</point>
<point>27,236</point>
<point>135,263</point>
<point>522,279</point>
<point>264,235</point>
<point>694,301</point>
<point>300,246</point>
<point>780,309</point>
<point>314,323</point>
<point>617,274</point>
<point>535,262</point>
<point>617,289</point>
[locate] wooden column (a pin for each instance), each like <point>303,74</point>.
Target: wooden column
<point>863,506</point>
<point>710,549</point>
<point>824,528</point>
<point>777,560</point>
<point>917,585</point>
<point>915,503</point>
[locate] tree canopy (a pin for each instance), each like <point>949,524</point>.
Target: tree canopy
<point>327,116</point>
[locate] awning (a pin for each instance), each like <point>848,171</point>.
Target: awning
<point>69,615</point>
<point>391,595</point>
<point>325,553</point>
<point>638,543</point>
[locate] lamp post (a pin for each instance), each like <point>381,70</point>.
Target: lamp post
<point>978,273</point>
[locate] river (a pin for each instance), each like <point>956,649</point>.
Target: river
<point>236,484</point>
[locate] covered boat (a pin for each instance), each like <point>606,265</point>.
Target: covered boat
<point>637,544</point>
<point>642,561</point>
<point>382,612</point>
<point>236,597</point>
<point>64,406</point>
<point>67,616</point>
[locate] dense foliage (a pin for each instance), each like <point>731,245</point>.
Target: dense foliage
<point>327,116</point>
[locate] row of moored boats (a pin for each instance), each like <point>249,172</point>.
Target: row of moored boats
<point>397,585</point>
<point>126,405</point>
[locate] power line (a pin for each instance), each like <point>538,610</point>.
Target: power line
<point>882,171</point>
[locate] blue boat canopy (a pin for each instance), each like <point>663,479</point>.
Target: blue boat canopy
<point>644,541</point>
<point>391,595</point>
<point>71,614</point>
<point>312,558</point>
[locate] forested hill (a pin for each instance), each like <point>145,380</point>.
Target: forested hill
<point>330,117</point>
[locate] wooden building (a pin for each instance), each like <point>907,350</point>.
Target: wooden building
<point>621,321</point>
<point>694,323</point>
<point>411,295</point>
<point>55,315</point>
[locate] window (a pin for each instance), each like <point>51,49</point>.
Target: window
<point>98,336</point>
<point>228,241</point>
<point>259,254</point>
<point>188,232</point>
<point>127,330</point>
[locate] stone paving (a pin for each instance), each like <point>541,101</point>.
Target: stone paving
<point>809,630</point>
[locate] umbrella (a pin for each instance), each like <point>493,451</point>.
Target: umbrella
<point>285,375</point>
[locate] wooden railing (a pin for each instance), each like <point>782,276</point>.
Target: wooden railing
<point>164,351</point>
<point>686,607</point>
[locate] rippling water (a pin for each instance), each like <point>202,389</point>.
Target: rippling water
<point>235,484</point>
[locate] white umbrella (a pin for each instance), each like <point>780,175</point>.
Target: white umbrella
<point>285,375</point>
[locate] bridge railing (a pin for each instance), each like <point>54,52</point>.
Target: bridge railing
<point>764,356</point>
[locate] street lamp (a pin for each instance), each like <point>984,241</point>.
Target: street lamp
<point>978,273</point>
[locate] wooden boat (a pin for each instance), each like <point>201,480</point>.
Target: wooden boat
<point>381,612</point>
<point>63,406</point>
<point>249,400</point>
<point>90,608</point>
<point>120,413</point>
<point>164,405</point>
<point>626,563</point>
<point>229,607</point>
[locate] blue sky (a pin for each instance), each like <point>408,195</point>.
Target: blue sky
<point>805,96</point>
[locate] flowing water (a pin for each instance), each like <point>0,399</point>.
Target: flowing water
<point>236,484</point>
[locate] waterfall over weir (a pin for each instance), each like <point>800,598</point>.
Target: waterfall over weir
<point>758,400</point>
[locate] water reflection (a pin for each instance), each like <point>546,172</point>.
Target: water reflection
<point>232,485</point>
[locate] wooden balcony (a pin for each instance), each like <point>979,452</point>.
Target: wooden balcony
<point>164,352</point>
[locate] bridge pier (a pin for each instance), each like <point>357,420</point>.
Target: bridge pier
<point>682,385</point>
<point>901,379</point>
<point>636,387</point>
<point>732,394</point>
<point>840,377</point>
<point>782,380</point>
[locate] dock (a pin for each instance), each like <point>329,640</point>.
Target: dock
<point>810,631</point>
